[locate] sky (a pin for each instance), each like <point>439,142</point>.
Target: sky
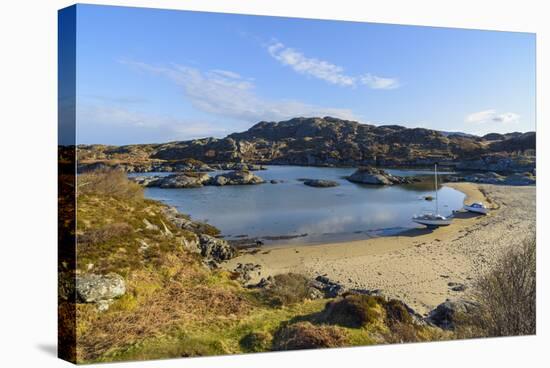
<point>152,76</point>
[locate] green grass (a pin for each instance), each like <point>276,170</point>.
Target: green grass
<point>176,307</point>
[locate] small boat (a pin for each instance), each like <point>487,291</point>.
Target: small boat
<point>433,219</point>
<point>477,207</point>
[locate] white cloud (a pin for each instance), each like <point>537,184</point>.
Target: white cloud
<point>492,116</point>
<point>229,95</point>
<point>376,82</point>
<point>325,70</point>
<point>310,66</point>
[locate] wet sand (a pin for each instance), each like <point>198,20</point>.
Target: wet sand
<point>418,265</point>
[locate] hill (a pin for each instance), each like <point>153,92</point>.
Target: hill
<point>335,142</point>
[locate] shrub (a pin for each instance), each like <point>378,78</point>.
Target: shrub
<point>256,342</point>
<point>401,333</point>
<point>104,234</point>
<point>110,183</point>
<point>507,295</point>
<point>397,312</point>
<point>305,335</point>
<point>287,288</point>
<point>354,310</point>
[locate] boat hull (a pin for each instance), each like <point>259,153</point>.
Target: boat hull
<point>480,210</point>
<point>433,223</point>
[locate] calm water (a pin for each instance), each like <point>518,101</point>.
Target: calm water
<point>349,211</point>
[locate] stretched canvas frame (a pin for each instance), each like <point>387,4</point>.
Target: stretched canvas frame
<point>132,264</point>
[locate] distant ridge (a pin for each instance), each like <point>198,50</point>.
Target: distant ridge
<point>330,141</point>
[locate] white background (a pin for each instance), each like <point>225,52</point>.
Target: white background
<point>28,108</point>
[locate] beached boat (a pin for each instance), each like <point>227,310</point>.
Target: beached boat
<point>433,219</point>
<point>477,207</point>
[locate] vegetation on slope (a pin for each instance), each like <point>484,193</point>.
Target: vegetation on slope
<point>175,306</point>
<point>505,297</point>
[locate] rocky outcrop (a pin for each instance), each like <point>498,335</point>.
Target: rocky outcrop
<point>186,180</point>
<point>373,176</point>
<point>236,178</point>
<point>238,166</point>
<point>326,142</point>
<point>183,180</point>
<point>99,289</point>
<point>196,180</point>
<point>215,249</point>
<point>446,314</point>
<point>146,165</point>
<point>320,183</point>
<point>332,289</point>
<point>246,272</point>
<point>499,163</point>
<point>525,178</point>
<point>184,222</point>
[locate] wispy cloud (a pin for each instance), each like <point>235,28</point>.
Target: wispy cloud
<point>492,116</point>
<point>376,82</point>
<point>229,95</point>
<point>325,70</point>
<point>310,66</point>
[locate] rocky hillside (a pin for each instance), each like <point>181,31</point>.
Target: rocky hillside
<point>334,142</point>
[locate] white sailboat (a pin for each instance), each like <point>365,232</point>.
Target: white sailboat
<point>433,219</point>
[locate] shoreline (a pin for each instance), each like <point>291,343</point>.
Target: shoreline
<point>418,266</point>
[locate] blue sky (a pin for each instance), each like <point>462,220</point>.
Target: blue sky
<point>147,75</point>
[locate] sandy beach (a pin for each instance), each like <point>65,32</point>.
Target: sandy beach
<point>416,266</point>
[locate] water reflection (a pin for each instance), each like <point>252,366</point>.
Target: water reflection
<point>349,211</point>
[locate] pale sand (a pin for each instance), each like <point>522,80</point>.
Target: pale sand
<point>416,267</point>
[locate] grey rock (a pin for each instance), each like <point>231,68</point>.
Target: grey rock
<point>320,183</point>
<point>150,226</point>
<point>216,249</point>
<point>194,180</point>
<point>373,176</point>
<point>146,181</point>
<point>456,286</point>
<point>446,313</point>
<point>266,283</point>
<point>236,178</point>
<point>370,175</point>
<point>245,271</point>
<point>92,288</point>
<point>314,293</point>
<point>329,288</point>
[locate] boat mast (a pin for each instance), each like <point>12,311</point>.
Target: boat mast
<point>436,202</point>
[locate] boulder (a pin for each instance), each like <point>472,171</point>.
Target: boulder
<point>446,313</point>
<point>456,286</point>
<point>320,183</point>
<point>370,175</point>
<point>218,180</point>
<point>373,176</point>
<point>236,178</point>
<point>93,288</point>
<point>247,272</point>
<point>186,180</point>
<point>329,288</point>
<point>216,249</point>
